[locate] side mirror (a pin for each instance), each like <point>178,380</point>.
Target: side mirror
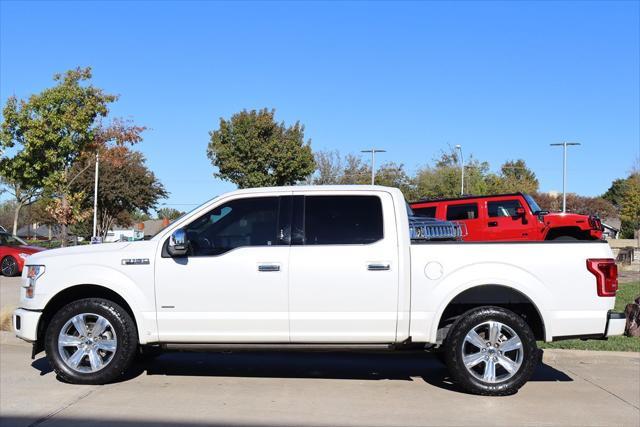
<point>178,243</point>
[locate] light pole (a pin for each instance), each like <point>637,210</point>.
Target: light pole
<point>564,171</point>
<point>95,198</point>
<point>373,152</point>
<point>459,148</point>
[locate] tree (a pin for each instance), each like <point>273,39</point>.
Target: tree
<point>169,213</point>
<point>630,207</point>
<point>126,186</point>
<point>514,177</point>
<point>443,179</point>
<point>576,204</point>
<point>252,150</point>
<point>329,168</point>
<point>48,133</point>
<point>393,175</point>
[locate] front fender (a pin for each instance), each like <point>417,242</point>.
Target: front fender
<point>480,274</point>
<point>141,305</point>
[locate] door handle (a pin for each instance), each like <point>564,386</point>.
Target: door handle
<point>493,224</point>
<point>378,267</point>
<point>268,267</point>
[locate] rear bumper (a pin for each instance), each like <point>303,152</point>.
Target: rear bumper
<point>25,324</point>
<point>616,323</point>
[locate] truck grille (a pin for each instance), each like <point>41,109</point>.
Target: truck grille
<point>423,228</point>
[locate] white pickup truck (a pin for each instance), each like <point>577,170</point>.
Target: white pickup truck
<point>309,267</point>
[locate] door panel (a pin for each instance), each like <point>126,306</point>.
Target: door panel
<point>504,224</point>
<point>233,286</point>
<point>342,292</point>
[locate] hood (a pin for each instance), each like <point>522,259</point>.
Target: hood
<point>30,249</point>
<point>78,250</point>
<point>566,216</point>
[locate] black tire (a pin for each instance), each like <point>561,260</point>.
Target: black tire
<point>455,343</point>
<point>126,339</point>
<point>9,266</point>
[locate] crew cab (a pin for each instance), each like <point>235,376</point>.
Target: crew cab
<point>514,216</point>
<point>315,267</point>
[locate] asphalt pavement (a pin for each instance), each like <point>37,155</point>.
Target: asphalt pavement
<point>571,388</point>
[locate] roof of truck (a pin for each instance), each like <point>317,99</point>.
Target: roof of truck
<point>303,188</point>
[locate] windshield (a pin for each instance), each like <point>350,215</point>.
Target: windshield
<point>409,210</point>
<point>532,204</point>
<point>7,239</point>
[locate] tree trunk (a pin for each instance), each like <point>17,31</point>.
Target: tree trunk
<point>16,214</point>
<point>63,225</point>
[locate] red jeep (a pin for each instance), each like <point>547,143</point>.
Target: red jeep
<point>510,217</point>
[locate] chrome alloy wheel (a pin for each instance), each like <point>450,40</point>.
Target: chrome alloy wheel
<point>492,352</point>
<point>87,343</point>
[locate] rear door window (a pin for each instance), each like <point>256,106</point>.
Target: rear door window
<point>342,220</point>
<point>429,211</point>
<point>462,212</point>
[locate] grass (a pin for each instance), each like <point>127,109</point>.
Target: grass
<point>626,294</point>
<point>6,315</point>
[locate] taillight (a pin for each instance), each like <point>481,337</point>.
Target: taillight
<point>606,272</point>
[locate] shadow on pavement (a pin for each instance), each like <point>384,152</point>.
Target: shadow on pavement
<point>407,366</point>
<point>15,421</point>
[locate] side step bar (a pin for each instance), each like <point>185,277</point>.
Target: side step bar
<point>274,347</point>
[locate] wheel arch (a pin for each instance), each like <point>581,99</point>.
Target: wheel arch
<point>570,231</point>
<point>490,294</point>
<point>75,293</point>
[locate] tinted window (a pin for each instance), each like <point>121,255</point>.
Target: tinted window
<point>336,220</point>
<point>430,212</point>
<point>9,240</point>
<point>503,208</point>
<point>461,212</point>
<point>241,222</point>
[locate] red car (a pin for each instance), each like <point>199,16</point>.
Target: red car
<point>13,252</point>
<point>510,217</point>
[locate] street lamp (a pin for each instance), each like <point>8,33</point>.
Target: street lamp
<point>564,170</point>
<point>95,200</point>
<point>373,152</point>
<point>459,148</point>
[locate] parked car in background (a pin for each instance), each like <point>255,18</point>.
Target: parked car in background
<point>510,217</point>
<point>13,252</point>
<point>323,267</point>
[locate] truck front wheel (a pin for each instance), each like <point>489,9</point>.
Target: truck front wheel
<point>91,341</point>
<point>491,351</point>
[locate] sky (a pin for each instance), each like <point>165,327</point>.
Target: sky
<point>502,79</point>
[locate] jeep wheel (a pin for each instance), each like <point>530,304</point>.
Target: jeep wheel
<point>491,351</point>
<point>91,341</point>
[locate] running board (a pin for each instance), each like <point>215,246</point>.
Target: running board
<point>274,347</point>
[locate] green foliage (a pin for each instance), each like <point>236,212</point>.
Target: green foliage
<point>252,150</point>
<point>624,194</point>
<point>45,135</point>
<point>443,178</point>
<point>169,213</point>
<point>514,177</point>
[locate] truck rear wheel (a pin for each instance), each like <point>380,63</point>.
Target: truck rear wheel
<point>91,341</point>
<point>491,351</point>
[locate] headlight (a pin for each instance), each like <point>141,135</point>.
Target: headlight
<point>23,256</point>
<point>33,273</point>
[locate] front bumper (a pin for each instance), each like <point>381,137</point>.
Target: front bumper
<point>616,323</point>
<point>25,324</point>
